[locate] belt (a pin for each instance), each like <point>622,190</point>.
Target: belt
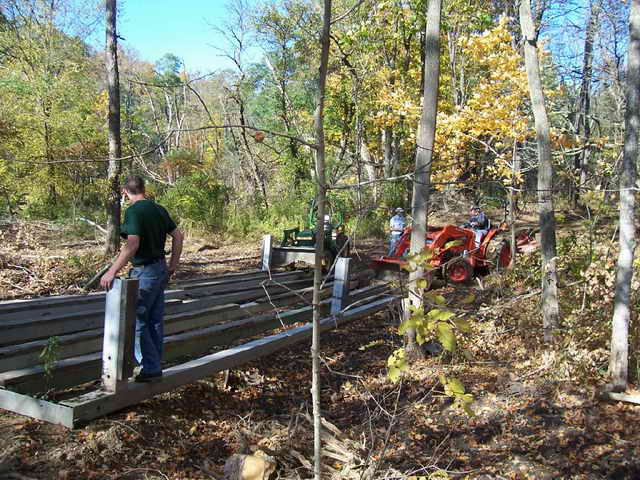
<point>396,231</point>
<point>150,262</point>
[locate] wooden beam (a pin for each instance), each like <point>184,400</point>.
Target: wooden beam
<point>85,368</point>
<point>99,403</point>
<point>95,303</point>
<point>80,302</point>
<point>17,331</point>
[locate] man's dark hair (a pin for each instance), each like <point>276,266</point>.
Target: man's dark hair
<point>134,184</point>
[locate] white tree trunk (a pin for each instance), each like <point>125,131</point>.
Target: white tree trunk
<point>317,274</point>
<point>115,148</point>
<point>619,359</point>
<point>424,157</point>
<point>550,308</point>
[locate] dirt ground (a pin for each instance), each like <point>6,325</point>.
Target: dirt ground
<point>527,424</point>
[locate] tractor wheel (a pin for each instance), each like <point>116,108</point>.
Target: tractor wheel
<point>343,245</point>
<point>502,259</point>
<point>459,271</point>
<point>327,260</point>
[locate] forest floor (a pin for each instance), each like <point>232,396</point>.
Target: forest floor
<point>529,422</point>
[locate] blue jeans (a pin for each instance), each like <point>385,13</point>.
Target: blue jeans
<point>153,280</point>
<point>394,239</point>
<point>479,235</point>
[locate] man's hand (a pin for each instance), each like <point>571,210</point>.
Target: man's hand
<point>177,237</point>
<point>107,280</point>
<point>128,251</point>
<point>172,269</point>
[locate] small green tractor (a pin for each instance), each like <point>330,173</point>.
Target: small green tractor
<point>300,245</point>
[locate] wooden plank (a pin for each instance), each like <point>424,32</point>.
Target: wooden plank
<point>119,333</point>
<point>85,368</point>
<point>31,304</point>
<point>99,403</point>
<point>25,355</point>
<point>200,289</point>
<point>36,408</point>
<point>26,330</point>
<point>28,354</point>
<point>79,302</point>
<point>199,341</point>
<point>246,284</point>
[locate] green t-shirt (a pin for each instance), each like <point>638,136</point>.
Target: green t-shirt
<point>152,223</point>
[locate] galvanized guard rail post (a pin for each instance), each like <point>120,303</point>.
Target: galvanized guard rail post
<point>119,333</point>
<point>267,246</point>
<point>340,285</point>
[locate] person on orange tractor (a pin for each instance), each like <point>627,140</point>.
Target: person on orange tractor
<point>396,225</point>
<point>479,223</point>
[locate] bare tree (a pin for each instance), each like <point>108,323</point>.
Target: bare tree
<point>115,145</point>
<point>550,308</point>
<point>619,359</point>
<point>317,274</point>
<point>424,157</point>
<point>583,126</point>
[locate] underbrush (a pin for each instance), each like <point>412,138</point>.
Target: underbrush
<point>586,281</point>
<point>35,258</point>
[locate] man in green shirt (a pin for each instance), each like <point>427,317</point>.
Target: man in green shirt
<point>146,226</point>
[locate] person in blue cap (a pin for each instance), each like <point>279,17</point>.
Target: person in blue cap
<point>479,223</point>
<point>396,225</point>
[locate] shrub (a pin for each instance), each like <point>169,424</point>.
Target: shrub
<point>198,200</point>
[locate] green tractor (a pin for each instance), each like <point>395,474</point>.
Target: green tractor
<point>300,245</point>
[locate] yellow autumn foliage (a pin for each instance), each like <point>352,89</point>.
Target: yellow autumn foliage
<point>494,116</point>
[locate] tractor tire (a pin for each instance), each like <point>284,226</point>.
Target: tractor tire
<point>327,260</point>
<point>459,271</point>
<point>343,244</point>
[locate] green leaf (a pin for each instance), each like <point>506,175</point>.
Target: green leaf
<point>446,337</point>
<point>439,299</point>
<point>397,364</point>
<point>465,401</point>
<point>394,374</point>
<point>443,315</point>
<point>462,324</point>
<point>455,386</point>
<point>468,299</point>
<point>439,475</point>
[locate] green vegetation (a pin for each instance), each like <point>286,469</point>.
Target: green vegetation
<point>227,180</point>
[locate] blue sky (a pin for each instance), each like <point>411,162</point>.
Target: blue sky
<point>157,27</point>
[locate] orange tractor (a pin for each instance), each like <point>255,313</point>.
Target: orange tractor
<point>455,253</point>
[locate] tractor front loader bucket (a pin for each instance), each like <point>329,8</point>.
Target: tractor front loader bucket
<point>388,268</point>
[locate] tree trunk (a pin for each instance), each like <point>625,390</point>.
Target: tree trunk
<point>619,359</point>
<point>317,274</point>
<point>583,127</point>
<point>550,308</point>
<point>515,168</point>
<point>115,148</point>
<point>424,158</point>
